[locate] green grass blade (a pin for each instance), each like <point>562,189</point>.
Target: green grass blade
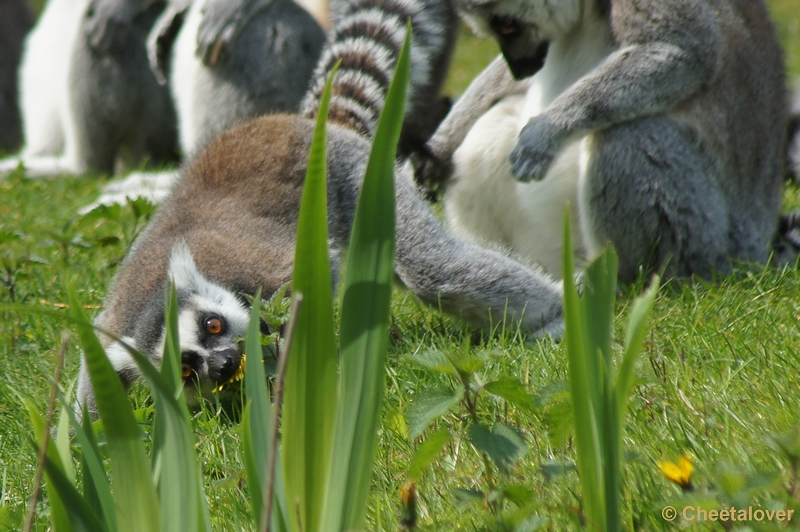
<point>580,356</point>
<point>311,373</point>
<point>364,333</point>
<point>137,502</point>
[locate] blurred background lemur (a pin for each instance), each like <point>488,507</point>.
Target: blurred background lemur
<point>15,21</point>
<point>229,224</point>
<point>89,100</point>
<point>225,61</point>
<point>230,60</point>
<point>662,122</point>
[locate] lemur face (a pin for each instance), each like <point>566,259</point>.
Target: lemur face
<point>211,323</point>
<point>523,28</point>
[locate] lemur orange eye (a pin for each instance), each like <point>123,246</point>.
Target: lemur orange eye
<point>186,371</point>
<point>213,325</point>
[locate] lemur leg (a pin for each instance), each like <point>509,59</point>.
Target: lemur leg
<point>647,187</point>
<point>481,285</point>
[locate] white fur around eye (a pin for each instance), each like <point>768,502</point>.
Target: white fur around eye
<point>205,296</point>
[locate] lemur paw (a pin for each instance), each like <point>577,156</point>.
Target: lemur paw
<point>538,144</point>
<point>106,25</point>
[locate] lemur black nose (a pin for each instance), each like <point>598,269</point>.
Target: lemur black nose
<point>223,364</point>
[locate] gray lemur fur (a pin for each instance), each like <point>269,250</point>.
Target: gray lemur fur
<point>89,99</point>
<point>226,61</point>
<point>666,119</point>
<point>242,58</point>
<point>793,156</point>
<point>229,223</point>
<point>15,21</point>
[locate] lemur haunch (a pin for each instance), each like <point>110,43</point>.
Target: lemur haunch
<point>662,122</point>
<point>15,21</point>
<point>229,224</point>
<point>89,100</point>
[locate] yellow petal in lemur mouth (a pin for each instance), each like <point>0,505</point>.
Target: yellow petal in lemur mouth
<point>236,377</point>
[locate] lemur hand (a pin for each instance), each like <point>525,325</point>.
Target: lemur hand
<point>430,170</point>
<point>161,39</point>
<point>222,22</point>
<point>538,144</point>
<point>107,24</point>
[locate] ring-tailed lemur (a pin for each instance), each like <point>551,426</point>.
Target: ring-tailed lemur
<point>662,122</point>
<point>89,100</point>
<point>229,224</point>
<point>231,60</point>
<point>15,21</point>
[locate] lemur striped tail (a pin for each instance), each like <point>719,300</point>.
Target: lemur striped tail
<point>367,35</point>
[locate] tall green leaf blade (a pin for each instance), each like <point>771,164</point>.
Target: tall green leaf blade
<point>638,325</point>
<point>78,511</point>
<point>257,425</point>
<point>598,314</point>
<point>256,469</point>
<point>62,439</point>
<point>179,479</point>
<point>254,465</point>
<point>178,473</point>
<point>96,489</point>
<point>365,316</point>
<point>597,311</point>
<point>137,502</point>
<point>311,374</point>
<point>60,520</point>
<point>580,356</point>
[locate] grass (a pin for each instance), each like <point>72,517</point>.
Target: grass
<point>720,374</point>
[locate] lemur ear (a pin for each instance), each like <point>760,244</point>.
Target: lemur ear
<point>182,268</point>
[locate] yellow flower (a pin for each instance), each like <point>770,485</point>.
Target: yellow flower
<point>408,509</point>
<point>237,376</point>
<point>680,473</point>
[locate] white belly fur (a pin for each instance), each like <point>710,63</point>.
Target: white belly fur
<point>485,202</point>
<point>183,79</point>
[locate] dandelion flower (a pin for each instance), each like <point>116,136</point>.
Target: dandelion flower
<point>236,377</point>
<point>680,473</point>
